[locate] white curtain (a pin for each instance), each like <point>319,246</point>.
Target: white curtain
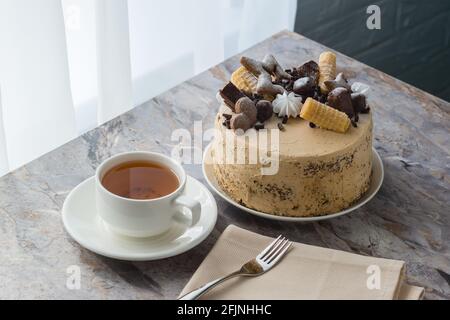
<point>67,66</point>
<point>38,113</point>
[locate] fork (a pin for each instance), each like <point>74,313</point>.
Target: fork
<point>263,262</point>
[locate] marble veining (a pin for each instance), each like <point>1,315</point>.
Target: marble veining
<point>409,219</point>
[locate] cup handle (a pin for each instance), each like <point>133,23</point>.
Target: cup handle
<point>193,205</point>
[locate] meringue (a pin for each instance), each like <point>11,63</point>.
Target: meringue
<point>287,105</point>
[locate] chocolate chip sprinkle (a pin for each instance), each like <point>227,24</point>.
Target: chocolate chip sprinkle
<point>259,126</point>
<point>227,116</point>
<point>227,124</point>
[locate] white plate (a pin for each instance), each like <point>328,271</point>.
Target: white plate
<point>375,184</point>
<point>82,222</point>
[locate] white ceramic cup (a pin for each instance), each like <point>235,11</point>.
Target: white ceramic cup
<point>142,218</point>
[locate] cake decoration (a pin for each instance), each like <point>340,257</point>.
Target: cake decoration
<point>264,71</point>
<point>340,99</point>
<point>259,126</point>
<point>264,110</point>
<point>271,65</point>
<point>240,121</point>
<point>244,80</point>
<point>287,105</point>
<point>304,86</point>
<point>247,107</point>
<point>308,69</point>
<point>359,103</point>
<point>360,87</point>
<point>327,69</point>
<point>259,89</point>
<point>231,94</point>
<point>324,116</point>
<point>266,88</point>
<point>339,82</point>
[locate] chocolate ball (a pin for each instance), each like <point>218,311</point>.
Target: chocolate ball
<point>359,102</point>
<point>240,121</point>
<point>341,100</point>
<point>264,110</point>
<point>246,106</point>
<point>304,86</point>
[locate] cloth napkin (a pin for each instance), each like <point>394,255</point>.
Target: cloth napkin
<point>306,272</point>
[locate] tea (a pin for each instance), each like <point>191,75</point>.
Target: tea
<point>140,180</point>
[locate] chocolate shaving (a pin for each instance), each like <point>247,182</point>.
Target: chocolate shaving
<point>308,69</point>
<point>227,124</point>
<point>231,94</point>
<point>259,126</point>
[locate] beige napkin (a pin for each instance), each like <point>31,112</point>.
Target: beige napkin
<point>306,272</point>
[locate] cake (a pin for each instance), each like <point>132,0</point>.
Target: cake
<point>298,146</point>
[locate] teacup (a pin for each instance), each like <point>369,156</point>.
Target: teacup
<point>142,217</point>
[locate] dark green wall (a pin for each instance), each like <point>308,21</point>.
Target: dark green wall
<point>412,45</point>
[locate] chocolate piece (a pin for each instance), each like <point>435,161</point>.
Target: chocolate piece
<point>280,126</point>
<point>340,99</point>
<point>304,86</point>
<point>265,86</point>
<point>285,120</point>
<point>264,110</point>
<point>271,65</point>
<point>240,121</point>
<point>312,125</point>
<point>252,65</point>
<point>259,126</point>
<point>227,116</point>
<point>231,94</point>
<point>359,102</point>
<point>318,95</point>
<point>226,123</point>
<point>339,82</point>
<point>246,106</point>
<point>308,69</point>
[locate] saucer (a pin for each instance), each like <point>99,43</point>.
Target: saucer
<point>375,184</point>
<point>84,225</point>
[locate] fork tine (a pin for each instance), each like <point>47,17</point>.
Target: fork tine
<point>274,248</point>
<point>275,252</point>
<point>269,247</point>
<point>279,253</point>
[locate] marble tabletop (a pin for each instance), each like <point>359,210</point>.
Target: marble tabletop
<point>409,219</point>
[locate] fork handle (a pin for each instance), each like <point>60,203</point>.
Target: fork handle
<point>197,293</point>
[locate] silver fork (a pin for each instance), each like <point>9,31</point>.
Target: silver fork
<point>255,267</point>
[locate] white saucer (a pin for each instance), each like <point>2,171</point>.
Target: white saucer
<point>375,184</point>
<point>82,222</point>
